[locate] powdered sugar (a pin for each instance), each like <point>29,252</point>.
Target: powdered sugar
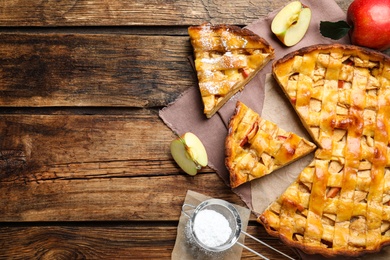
<point>211,228</point>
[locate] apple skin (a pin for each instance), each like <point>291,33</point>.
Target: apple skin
<point>370,21</point>
<point>182,158</point>
<point>291,23</point>
<point>189,153</point>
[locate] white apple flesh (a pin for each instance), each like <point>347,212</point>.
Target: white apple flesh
<point>189,153</point>
<point>291,23</point>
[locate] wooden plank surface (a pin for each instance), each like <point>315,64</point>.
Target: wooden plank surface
<point>144,12</point>
<point>46,70</point>
<point>108,241</point>
<point>111,199</point>
<point>69,146</point>
<point>107,12</point>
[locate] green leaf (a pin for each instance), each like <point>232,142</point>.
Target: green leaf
<point>334,30</point>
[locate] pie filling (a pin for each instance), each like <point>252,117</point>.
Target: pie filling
<point>340,203</point>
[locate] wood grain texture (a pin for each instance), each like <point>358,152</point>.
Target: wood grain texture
<point>114,199</point>
<point>109,12</point>
<point>40,147</point>
<point>144,12</point>
<point>108,241</point>
<point>41,70</point>
<point>96,167</point>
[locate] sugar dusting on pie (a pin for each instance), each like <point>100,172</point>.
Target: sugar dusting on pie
<point>340,203</point>
<point>227,57</point>
<point>256,147</point>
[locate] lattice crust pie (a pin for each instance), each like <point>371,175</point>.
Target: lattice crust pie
<point>256,147</point>
<point>226,58</point>
<point>340,203</point>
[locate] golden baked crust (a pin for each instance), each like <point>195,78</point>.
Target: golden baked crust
<point>227,57</point>
<point>340,203</point>
<point>256,147</point>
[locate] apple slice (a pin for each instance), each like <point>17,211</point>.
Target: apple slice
<point>189,153</point>
<point>291,23</point>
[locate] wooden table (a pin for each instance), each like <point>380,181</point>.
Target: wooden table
<point>85,168</point>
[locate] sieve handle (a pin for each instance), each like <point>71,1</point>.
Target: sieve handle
<point>183,210</point>
<point>253,251</point>
<point>265,244</point>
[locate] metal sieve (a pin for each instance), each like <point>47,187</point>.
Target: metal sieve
<point>225,209</point>
<point>233,217</point>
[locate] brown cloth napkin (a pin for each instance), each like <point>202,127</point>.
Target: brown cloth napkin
<point>186,113</point>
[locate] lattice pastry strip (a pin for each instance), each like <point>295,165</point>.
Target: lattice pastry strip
<point>309,216</point>
<point>256,147</point>
<point>226,58</point>
<point>339,204</point>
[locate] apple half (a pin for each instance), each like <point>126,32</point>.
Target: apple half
<point>291,23</point>
<point>189,153</point>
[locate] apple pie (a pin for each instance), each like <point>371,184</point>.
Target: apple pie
<point>340,203</point>
<point>256,147</point>
<point>227,57</point>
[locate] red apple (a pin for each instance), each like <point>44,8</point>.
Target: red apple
<point>367,23</point>
<point>370,23</point>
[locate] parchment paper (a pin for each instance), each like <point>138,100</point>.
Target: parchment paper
<point>185,250</point>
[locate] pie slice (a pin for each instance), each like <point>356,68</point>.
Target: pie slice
<point>227,57</point>
<point>340,203</point>
<point>256,147</point>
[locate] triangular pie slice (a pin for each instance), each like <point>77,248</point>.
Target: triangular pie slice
<point>340,203</point>
<point>256,147</point>
<point>227,57</point>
